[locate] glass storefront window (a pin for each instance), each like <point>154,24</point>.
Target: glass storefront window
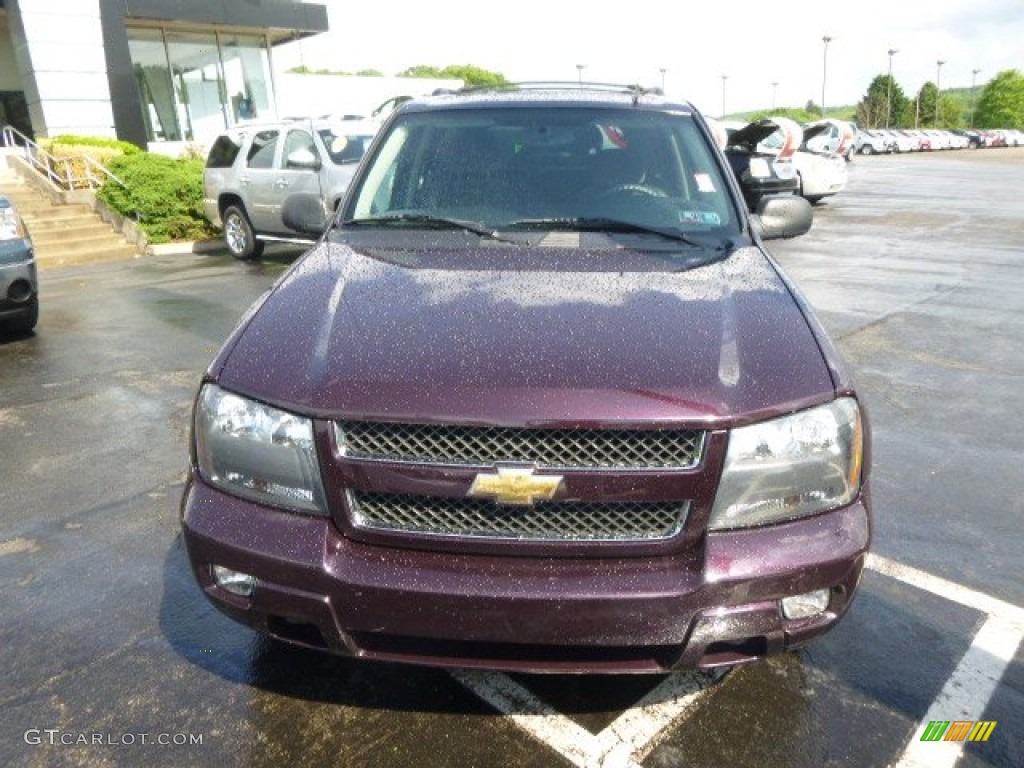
<point>247,75</point>
<point>198,86</point>
<point>194,84</point>
<point>153,77</point>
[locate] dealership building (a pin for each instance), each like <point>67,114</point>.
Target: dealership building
<point>146,71</point>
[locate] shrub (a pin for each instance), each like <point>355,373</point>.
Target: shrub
<point>71,148</point>
<point>125,147</point>
<point>162,194</point>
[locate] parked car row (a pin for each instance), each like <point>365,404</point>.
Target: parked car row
<point>879,140</point>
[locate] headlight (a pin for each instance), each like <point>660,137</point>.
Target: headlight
<point>759,168</point>
<point>11,226</point>
<point>258,452</point>
<point>791,467</point>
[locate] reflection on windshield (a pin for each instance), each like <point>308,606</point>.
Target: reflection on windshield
<point>344,149</point>
<point>648,169</point>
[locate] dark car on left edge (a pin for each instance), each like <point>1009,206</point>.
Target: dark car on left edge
<point>19,285</point>
<point>539,399</point>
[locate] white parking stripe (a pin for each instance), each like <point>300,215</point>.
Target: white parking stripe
<point>636,732</point>
<point>966,693</point>
<point>576,744</point>
<point>621,744</point>
<point>949,590</point>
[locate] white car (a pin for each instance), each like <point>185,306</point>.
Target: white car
<point>820,173</point>
<point>872,142</point>
<point>898,140</point>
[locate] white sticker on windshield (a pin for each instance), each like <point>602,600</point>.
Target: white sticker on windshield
<point>704,182</point>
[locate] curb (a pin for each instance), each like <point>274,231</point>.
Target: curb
<point>185,247</point>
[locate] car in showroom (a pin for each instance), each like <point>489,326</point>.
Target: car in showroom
<point>252,168</point>
<point>538,399</point>
<point>19,284</point>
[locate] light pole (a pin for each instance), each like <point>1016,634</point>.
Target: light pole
<point>579,73</point>
<point>724,78</point>
<point>888,98</point>
<point>824,71</point>
<point>663,71</point>
<point>974,78</point>
<point>775,90</point>
<point>938,88</point>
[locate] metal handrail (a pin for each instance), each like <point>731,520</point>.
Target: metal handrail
<point>62,171</point>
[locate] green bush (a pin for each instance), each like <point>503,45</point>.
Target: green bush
<point>162,194</point>
<point>70,150</point>
<point>126,147</point>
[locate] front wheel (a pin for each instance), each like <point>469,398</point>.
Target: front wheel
<point>25,322</point>
<point>239,236</point>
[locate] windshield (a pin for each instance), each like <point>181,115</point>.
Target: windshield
<point>344,147</point>
<point>520,167</point>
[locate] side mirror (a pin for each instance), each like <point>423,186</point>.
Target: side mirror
<point>304,212</point>
<point>302,159</point>
<point>779,216</point>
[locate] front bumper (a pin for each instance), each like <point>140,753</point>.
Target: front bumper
<point>715,604</point>
<point>19,283</point>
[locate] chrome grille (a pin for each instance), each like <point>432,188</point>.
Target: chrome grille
<point>554,448</point>
<point>547,521</point>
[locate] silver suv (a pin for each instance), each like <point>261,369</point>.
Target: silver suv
<point>252,168</point>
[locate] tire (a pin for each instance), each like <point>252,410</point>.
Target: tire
<point>238,234</point>
<point>24,323</point>
<point>867,149</point>
<point>815,199</point>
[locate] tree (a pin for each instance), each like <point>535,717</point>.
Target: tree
<point>369,73</point>
<point>799,115</point>
<point>813,108</point>
<point>883,104</point>
<point>1001,103</point>
<point>926,98</point>
<point>467,73</point>
<point>950,112</point>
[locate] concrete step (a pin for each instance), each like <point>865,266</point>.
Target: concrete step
<point>75,239</point>
<point>64,220</point>
<point>63,258</point>
<point>64,235</point>
<point>69,228</point>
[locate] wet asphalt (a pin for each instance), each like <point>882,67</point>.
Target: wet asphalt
<point>108,648</point>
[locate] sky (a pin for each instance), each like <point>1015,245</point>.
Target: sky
<point>753,43</point>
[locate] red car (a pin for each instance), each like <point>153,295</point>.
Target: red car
<point>538,399</point>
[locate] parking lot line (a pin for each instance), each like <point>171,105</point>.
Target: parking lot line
<point>949,590</point>
<point>632,736</point>
<point>621,744</point>
<point>966,693</point>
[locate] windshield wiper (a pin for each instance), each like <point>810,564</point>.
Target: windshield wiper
<point>602,224</point>
<point>426,220</point>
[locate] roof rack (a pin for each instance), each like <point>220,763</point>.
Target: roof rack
<point>634,89</point>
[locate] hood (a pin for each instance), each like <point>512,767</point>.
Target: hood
<point>815,129</point>
<point>528,337</point>
<point>752,134</point>
<point>785,136</point>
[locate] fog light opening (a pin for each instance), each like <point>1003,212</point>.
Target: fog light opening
<point>19,291</point>
<point>806,605</point>
<point>235,582</point>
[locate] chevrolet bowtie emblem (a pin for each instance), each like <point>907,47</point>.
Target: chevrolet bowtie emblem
<point>516,486</point>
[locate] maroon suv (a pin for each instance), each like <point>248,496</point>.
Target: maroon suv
<point>537,400</point>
